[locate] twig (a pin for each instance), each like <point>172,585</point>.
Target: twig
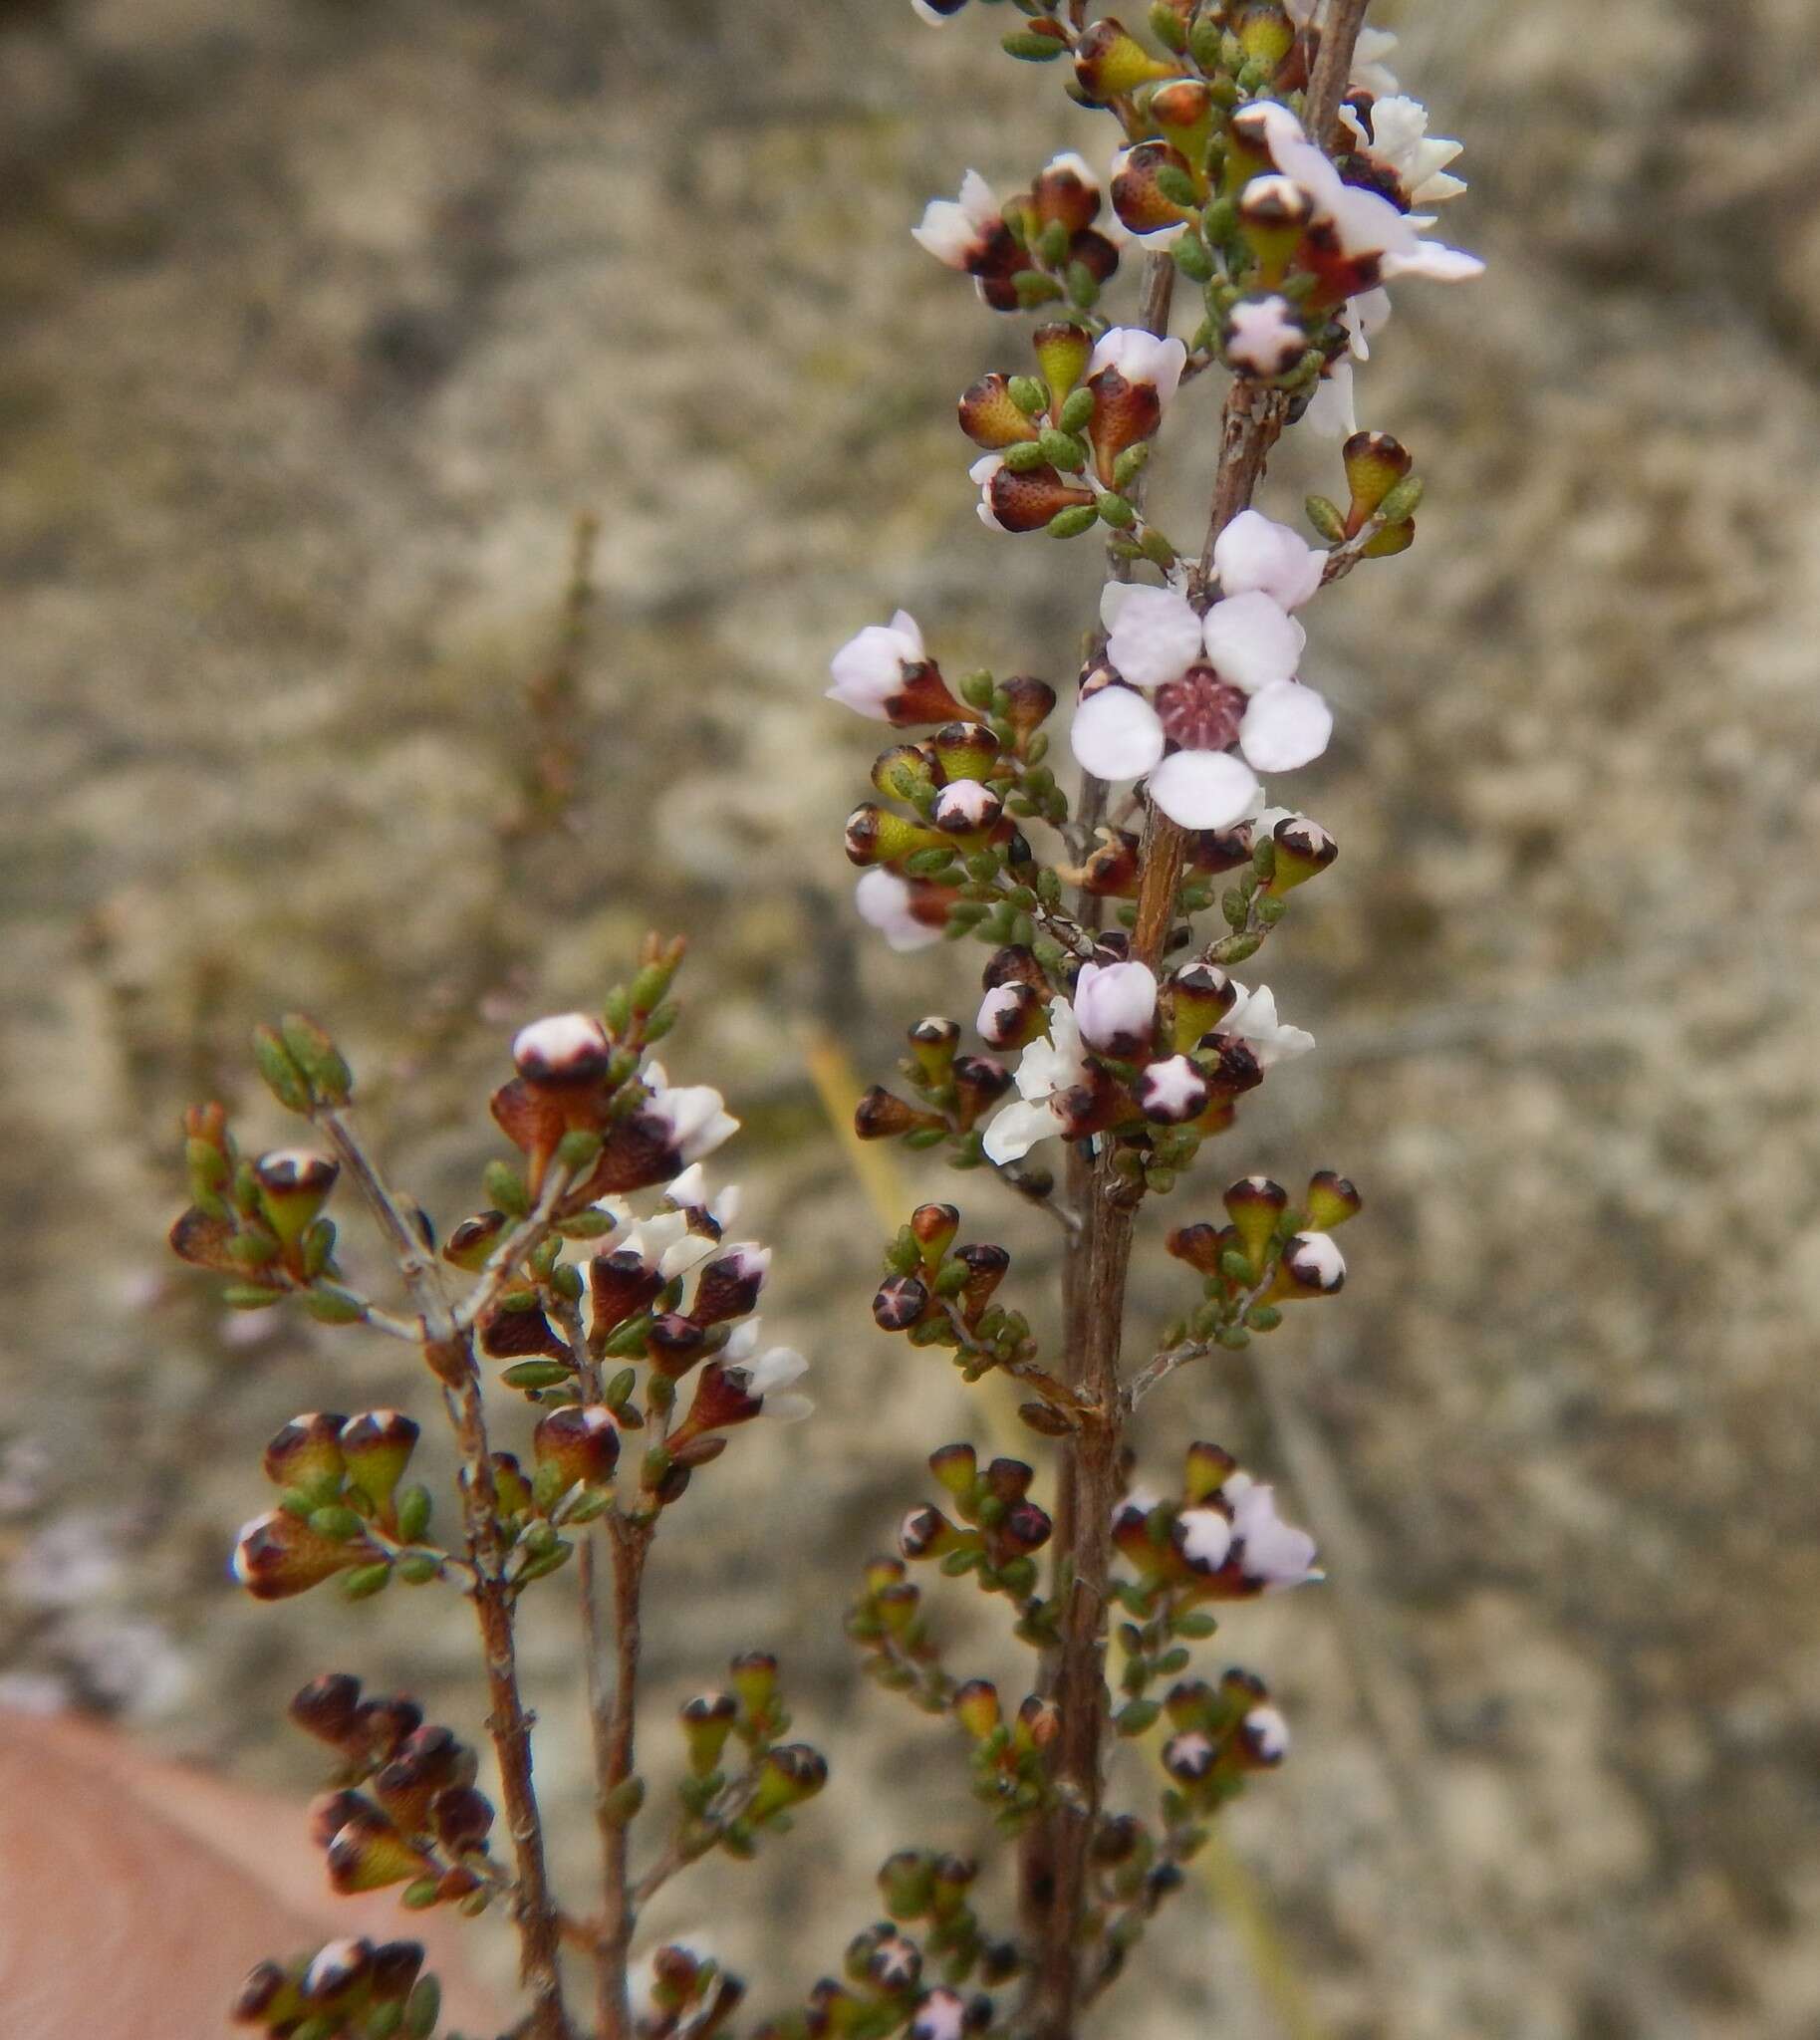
<point>449,1350</point>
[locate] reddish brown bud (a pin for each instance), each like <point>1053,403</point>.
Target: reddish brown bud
<point>901,1302</point>
<point>461,1818</point>
<point>330,1813</point>
<point>279,1555</point>
<point>1199,1245</point>
<point>567,1049</point>
<point>1138,197</point>
<point>328,1707</point>
<point>387,1722</point>
<point>620,1285</point>
<point>1025,500</point>
<point>582,1442</point>
<point>881,1115</point>
<point>1111,870</point>
<point>987,1264</point>
<point>519,1335</point>
<point>989,418</point>
<point>980,1082</point>
<point>307,1452</point>
<point>674,1344</point>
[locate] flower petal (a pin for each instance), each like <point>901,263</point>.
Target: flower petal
<point>1255,555</point>
<point>1116,734</point>
<point>1285,727</point>
<point>1156,637</point>
<point>1017,1128</point>
<point>1203,789</point>
<point>1252,641</point>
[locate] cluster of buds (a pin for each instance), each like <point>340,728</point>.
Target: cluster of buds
<point>939,1294</point>
<point>884,1987</point>
<point>341,1510</point>
<point>999,1532</point>
<point>728,1813</point>
<point>1269,1254</point>
<point>1009,1761</point>
<point>688,1993</point>
<point>353,1989</point>
<point>888,1625</point>
<point>402,1809</point>
<point>1063,447</point>
<point>1217,1736</point>
<point>1037,248</point>
<point>955,1092</point>
<point>259,1221</point>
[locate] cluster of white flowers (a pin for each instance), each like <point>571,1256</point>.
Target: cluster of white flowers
<point>1191,687</point>
<point>1113,1009</point>
<point>1239,1530</point>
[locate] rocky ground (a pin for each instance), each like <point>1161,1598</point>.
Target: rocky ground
<point>319,324</point>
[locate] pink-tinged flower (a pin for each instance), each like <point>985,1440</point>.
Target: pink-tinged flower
<point>1140,357</point>
<point>1253,1018</point>
<point>884,672</point>
<point>1243,693</point>
<point>1269,1553</point>
<point>1255,556</point>
<point>1172,1091</point>
<point>1050,1068</point>
<point>1366,226</point>
<point>1396,140</point>
<point>961,234</point>
<point>907,915</point>
<point>694,1115</point>
<point>1115,1005</point>
<point>1263,336</point>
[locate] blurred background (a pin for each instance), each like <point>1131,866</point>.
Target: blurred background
<point>322,321</point>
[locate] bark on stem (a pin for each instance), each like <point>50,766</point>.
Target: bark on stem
<point>448,1347</point>
<point>1057,1860</point>
<point>615,1727</point>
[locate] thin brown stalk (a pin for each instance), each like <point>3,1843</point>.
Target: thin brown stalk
<point>614,1728</point>
<point>448,1349</point>
<point>1056,1865</point>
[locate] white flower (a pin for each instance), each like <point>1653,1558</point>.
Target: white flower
<point>965,806</point>
<point>1267,1733</point>
<point>1246,695</point>
<point>1172,1091</point>
<point>888,903</point>
<point>1271,1554</point>
<point>689,1193</point>
<point>869,670</point>
<point>1254,1019</point>
<point>1399,139</point>
<point>1264,335</point>
<point>1140,357</point>
<point>779,1368</point>
<point>1315,1261</point>
<point>1364,223</point>
<point>695,1115</point>
<point>1204,1537</point>
<point>1254,555</point>
<point>955,233</point>
<point>1115,1004</point>
<point>1049,1067</point>
<point>1369,72</point>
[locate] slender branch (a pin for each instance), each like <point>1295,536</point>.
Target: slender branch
<point>1056,1864</point>
<point>449,1350</point>
<point>614,1728</point>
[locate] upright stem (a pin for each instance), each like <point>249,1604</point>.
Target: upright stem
<point>615,1727</point>
<point>1057,1859</point>
<point>450,1348</point>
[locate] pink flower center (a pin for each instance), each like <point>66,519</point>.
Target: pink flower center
<point>1200,711</point>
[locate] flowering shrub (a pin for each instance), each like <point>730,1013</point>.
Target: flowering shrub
<point>1272,172</point>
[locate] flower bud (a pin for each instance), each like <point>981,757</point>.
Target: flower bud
<point>335,1970</point>
<point>980,1082</point>
<point>1331,1200</point>
<point>933,1227</point>
<point>1303,850</point>
<point>1208,1470</point>
<point>1023,499</point>
<point>791,1773</point>
<point>723,1398</point>
<point>277,1555</point>
<point>292,1186</point>
<point>1062,351</point>
<point>674,1344</point>
<point>1263,337</point>
<point>932,1042</point>
<point>511,1489</point>
<point>875,836</point>
<point>754,1679</point>
<point>377,1447</point>
<point>966,808</point>
<point>369,1854</point>
<point>1375,464</point>
<point>707,1722</point>
<point>1110,61</point>
<point>1200,1245</point>
<point>330,1813</point>
<point>328,1707</point>
<point>975,1707</point>
<point>620,1285</point>
<point>1111,870</point>
<point>881,1116</point>
<point>1172,1091</point>
<point>1263,1739</point>
<point>1026,1528</point>
<point>1029,703</point>
<point>1010,1015</point>
<point>927,1533</point>
<point>1131,374</point>
<point>986,1265</point>
<point>563,1051</point>
<point>1136,188</point>
<point>1312,1265</point>
<point>582,1442</point>
<point>1191,1704</point>
<point>1200,998</point>
<point>1116,1007</point>
<point>395,1967</point>
<point>307,1453</point>
<point>1234,1066</point>
<point>966,750</point>
<point>942,2015</point>
<point>269,1997</point>
<point>1067,192</point>
<point>901,1302</point>
<point>1189,1757</point>
<point>728,1286</point>
<point>957,1468</point>
<point>989,418</point>
<point>1255,1205</point>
